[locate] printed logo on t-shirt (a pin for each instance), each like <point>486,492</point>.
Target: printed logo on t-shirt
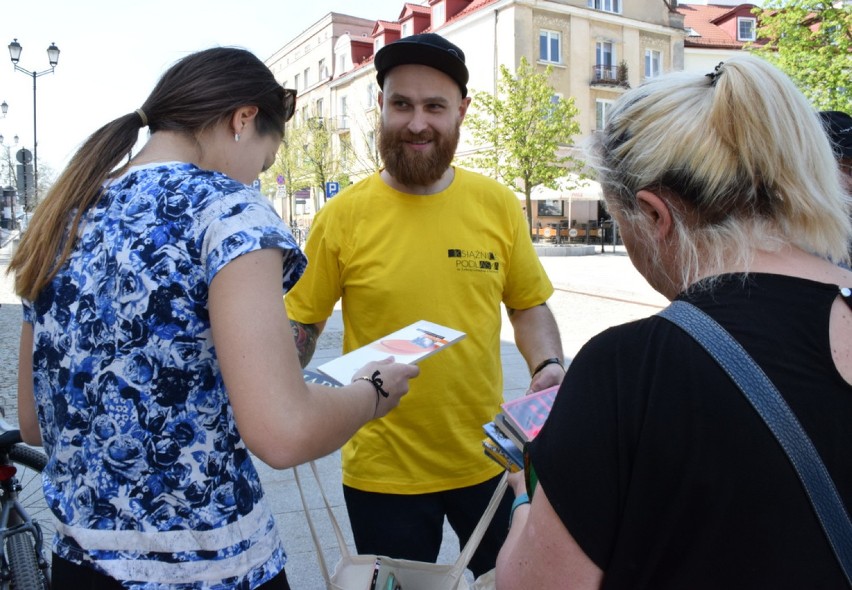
<point>473,260</point>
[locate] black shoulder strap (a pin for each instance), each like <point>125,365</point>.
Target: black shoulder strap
<point>778,416</point>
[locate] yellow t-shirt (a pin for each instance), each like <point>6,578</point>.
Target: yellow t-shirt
<point>449,258</point>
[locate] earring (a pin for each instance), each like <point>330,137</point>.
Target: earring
<point>236,137</point>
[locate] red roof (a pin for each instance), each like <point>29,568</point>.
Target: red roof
<point>715,25</point>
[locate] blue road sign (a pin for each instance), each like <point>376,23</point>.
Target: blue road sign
<point>331,188</point>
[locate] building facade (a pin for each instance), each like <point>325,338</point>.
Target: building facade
<point>597,49</point>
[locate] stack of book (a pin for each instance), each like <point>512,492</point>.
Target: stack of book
<point>518,423</point>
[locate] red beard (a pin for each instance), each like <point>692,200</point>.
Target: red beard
<point>412,168</point>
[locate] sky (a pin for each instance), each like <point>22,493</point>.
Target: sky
<point>113,52</point>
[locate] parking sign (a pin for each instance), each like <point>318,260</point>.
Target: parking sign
<point>331,189</point>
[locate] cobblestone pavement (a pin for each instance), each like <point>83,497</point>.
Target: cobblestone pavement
<point>592,293</point>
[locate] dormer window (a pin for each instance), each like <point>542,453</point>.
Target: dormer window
<point>439,15</point>
<point>746,28</point>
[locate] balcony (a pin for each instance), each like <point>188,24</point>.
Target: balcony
<point>610,76</point>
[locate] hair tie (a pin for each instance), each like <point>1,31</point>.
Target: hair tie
<point>142,116</point>
<point>714,75</point>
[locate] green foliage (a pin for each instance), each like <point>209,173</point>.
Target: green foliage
<point>520,130</point>
<point>811,41</point>
<point>307,159</point>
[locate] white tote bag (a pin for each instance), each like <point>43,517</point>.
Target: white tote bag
<point>357,572</point>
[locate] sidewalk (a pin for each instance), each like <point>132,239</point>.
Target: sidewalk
<point>592,293</point>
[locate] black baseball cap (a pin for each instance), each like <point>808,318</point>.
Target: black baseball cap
<point>838,125</point>
<point>427,49</point>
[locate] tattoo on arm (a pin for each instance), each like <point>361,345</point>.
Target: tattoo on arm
<point>306,336</point>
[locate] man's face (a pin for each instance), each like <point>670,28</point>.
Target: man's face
<point>422,112</point>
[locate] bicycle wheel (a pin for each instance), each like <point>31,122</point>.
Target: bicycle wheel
<point>30,463</point>
<point>26,575</point>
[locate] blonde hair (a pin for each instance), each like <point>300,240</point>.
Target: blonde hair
<point>745,153</point>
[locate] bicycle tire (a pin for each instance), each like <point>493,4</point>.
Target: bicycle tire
<point>26,575</point>
<point>28,456</point>
<point>30,463</point>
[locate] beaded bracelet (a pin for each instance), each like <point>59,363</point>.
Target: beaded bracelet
<point>377,382</point>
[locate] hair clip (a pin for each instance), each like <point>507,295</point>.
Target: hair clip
<point>714,75</point>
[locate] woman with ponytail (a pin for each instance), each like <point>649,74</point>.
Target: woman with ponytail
<point>155,350</point>
<point>653,469</point>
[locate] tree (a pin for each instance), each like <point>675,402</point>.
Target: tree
<point>811,41</point>
<point>367,158</point>
<point>521,127</point>
<point>286,166</point>
<point>319,162</point>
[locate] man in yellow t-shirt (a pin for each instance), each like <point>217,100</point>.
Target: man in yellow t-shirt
<point>423,240</point>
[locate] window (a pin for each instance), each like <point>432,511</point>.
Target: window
<point>323,71</point>
<point>344,113</point>
<point>604,53</point>
<point>605,68</point>
<point>341,63</point>
<point>296,82</point>
<point>371,95</point>
<point>318,108</point>
<point>378,44</point>
<point>307,75</point>
<point>602,110</point>
<point>406,28</point>
<point>653,63</point>
<point>439,15</point>
<point>605,5</point>
<point>549,46</point>
<point>745,29</point>
<point>346,152</point>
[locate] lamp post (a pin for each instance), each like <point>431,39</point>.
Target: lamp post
<point>53,58</point>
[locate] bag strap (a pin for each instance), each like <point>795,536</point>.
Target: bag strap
<point>341,541</point>
<point>459,566</point>
<point>780,419</point>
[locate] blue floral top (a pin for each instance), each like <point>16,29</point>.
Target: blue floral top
<point>148,475</point>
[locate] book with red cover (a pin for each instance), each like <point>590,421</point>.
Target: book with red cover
<point>526,415</point>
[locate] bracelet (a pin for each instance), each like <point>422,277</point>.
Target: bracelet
<point>519,501</point>
<point>545,362</point>
<point>376,380</point>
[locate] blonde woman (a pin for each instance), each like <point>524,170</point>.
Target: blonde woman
<point>653,469</point>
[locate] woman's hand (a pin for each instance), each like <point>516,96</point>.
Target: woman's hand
<point>518,483</point>
<point>389,379</point>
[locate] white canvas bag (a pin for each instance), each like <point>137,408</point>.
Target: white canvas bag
<point>355,572</point>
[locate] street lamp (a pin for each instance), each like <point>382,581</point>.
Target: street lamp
<point>4,108</point>
<point>52,57</point>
